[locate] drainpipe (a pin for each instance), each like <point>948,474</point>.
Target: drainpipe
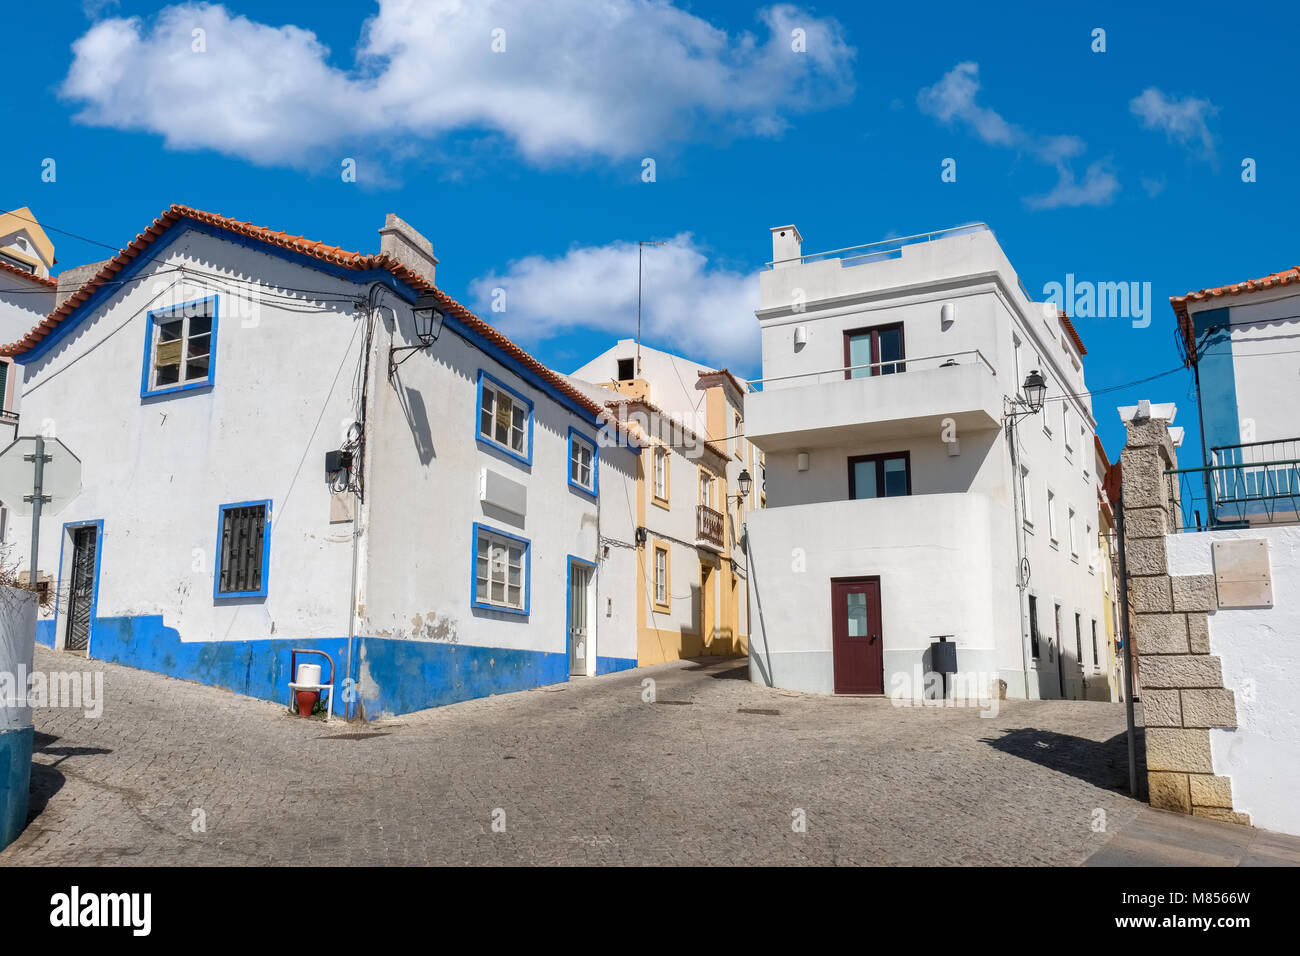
<point>1019,530</point>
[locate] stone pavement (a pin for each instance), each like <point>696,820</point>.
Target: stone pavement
<point>715,771</point>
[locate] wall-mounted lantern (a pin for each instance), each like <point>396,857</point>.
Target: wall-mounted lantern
<point>1035,389</point>
<point>428,318</point>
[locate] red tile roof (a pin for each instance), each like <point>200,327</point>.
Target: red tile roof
<point>51,283</point>
<point>1179,302</point>
<point>739,385</point>
<point>1074,336</point>
<point>316,250</point>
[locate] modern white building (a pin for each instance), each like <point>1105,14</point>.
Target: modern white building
<point>286,445</point>
<point>912,495</point>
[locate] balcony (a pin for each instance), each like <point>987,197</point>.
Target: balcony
<point>825,408</point>
<point>708,528</point>
<point>1252,484</point>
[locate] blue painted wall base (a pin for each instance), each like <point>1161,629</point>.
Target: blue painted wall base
<point>15,782</point>
<point>393,676</point>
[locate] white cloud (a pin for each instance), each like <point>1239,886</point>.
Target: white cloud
<point>1183,121</point>
<point>689,305</point>
<point>1098,188</point>
<point>953,101</point>
<point>619,79</point>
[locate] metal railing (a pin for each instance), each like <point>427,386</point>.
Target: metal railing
<point>1257,483</point>
<point>894,250</point>
<point>708,525</point>
<point>890,367</point>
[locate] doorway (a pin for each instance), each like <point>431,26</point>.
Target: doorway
<point>856,640</point>
<point>581,574</point>
<point>81,587</point>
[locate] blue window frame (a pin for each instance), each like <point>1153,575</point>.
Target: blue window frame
<point>500,571</point>
<point>243,555</point>
<point>180,348</point>
<point>504,419</point>
<point>584,463</point>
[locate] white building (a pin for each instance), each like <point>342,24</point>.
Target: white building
<point>269,465</point>
<point>902,505</point>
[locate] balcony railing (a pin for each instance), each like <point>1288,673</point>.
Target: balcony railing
<point>1257,483</point>
<point>884,248</point>
<point>708,527</point>
<point>893,366</point>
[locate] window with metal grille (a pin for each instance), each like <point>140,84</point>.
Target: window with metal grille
<point>243,549</point>
<point>180,346</point>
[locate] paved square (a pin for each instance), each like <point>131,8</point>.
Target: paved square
<point>584,772</point>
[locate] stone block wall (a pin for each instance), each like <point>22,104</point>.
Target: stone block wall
<point>1180,683</point>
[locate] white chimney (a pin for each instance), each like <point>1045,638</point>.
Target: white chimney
<point>401,241</point>
<point>787,246</point>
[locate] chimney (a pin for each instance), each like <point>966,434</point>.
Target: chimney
<point>70,280</point>
<point>787,246</point>
<point>401,241</point>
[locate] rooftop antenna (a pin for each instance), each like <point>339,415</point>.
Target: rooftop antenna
<point>640,245</point>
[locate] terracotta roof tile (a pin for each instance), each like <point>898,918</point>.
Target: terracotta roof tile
<point>317,250</point>
<point>1074,336</point>
<point>1179,302</point>
<point>49,283</point>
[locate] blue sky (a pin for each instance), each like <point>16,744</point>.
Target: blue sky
<point>525,166</point>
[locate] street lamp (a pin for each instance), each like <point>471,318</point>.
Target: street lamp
<point>744,482</point>
<point>1035,388</point>
<point>428,317</point>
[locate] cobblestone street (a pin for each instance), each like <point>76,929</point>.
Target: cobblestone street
<point>584,772</point>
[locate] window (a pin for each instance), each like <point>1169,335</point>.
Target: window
<point>661,576</point>
<point>880,476</point>
<point>505,419</point>
<point>584,463</point>
<point>1074,543</point>
<point>880,347</point>
<point>1078,638</point>
<point>1091,542</point>
<point>1065,427</point>
<point>1033,626</point>
<point>1083,451</point>
<point>1054,647</point>
<point>1096,661</point>
<point>740,437</point>
<point>661,474</point>
<point>178,347</point>
<point>501,571</point>
<point>4,382</point>
<point>626,370</point>
<point>1025,497</point>
<point>706,489</point>
<point>1051,515</point>
<point>243,550</point>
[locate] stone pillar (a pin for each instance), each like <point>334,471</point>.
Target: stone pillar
<point>1180,683</point>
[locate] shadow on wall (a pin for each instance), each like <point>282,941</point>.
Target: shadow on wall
<point>1102,764</point>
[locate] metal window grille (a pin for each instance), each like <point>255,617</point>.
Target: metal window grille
<point>243,532</point>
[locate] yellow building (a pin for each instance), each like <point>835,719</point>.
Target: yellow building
<point>695,484</point>
<point>24,246</point>
<point>1108,569</point>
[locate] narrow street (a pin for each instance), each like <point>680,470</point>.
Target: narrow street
<point>716,770</point>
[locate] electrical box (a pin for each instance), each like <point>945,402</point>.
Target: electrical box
<point>336,461</point>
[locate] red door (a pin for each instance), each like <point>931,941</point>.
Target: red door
<point>855,630</point>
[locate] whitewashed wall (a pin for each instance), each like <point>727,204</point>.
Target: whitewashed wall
<point>1260,653</point>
